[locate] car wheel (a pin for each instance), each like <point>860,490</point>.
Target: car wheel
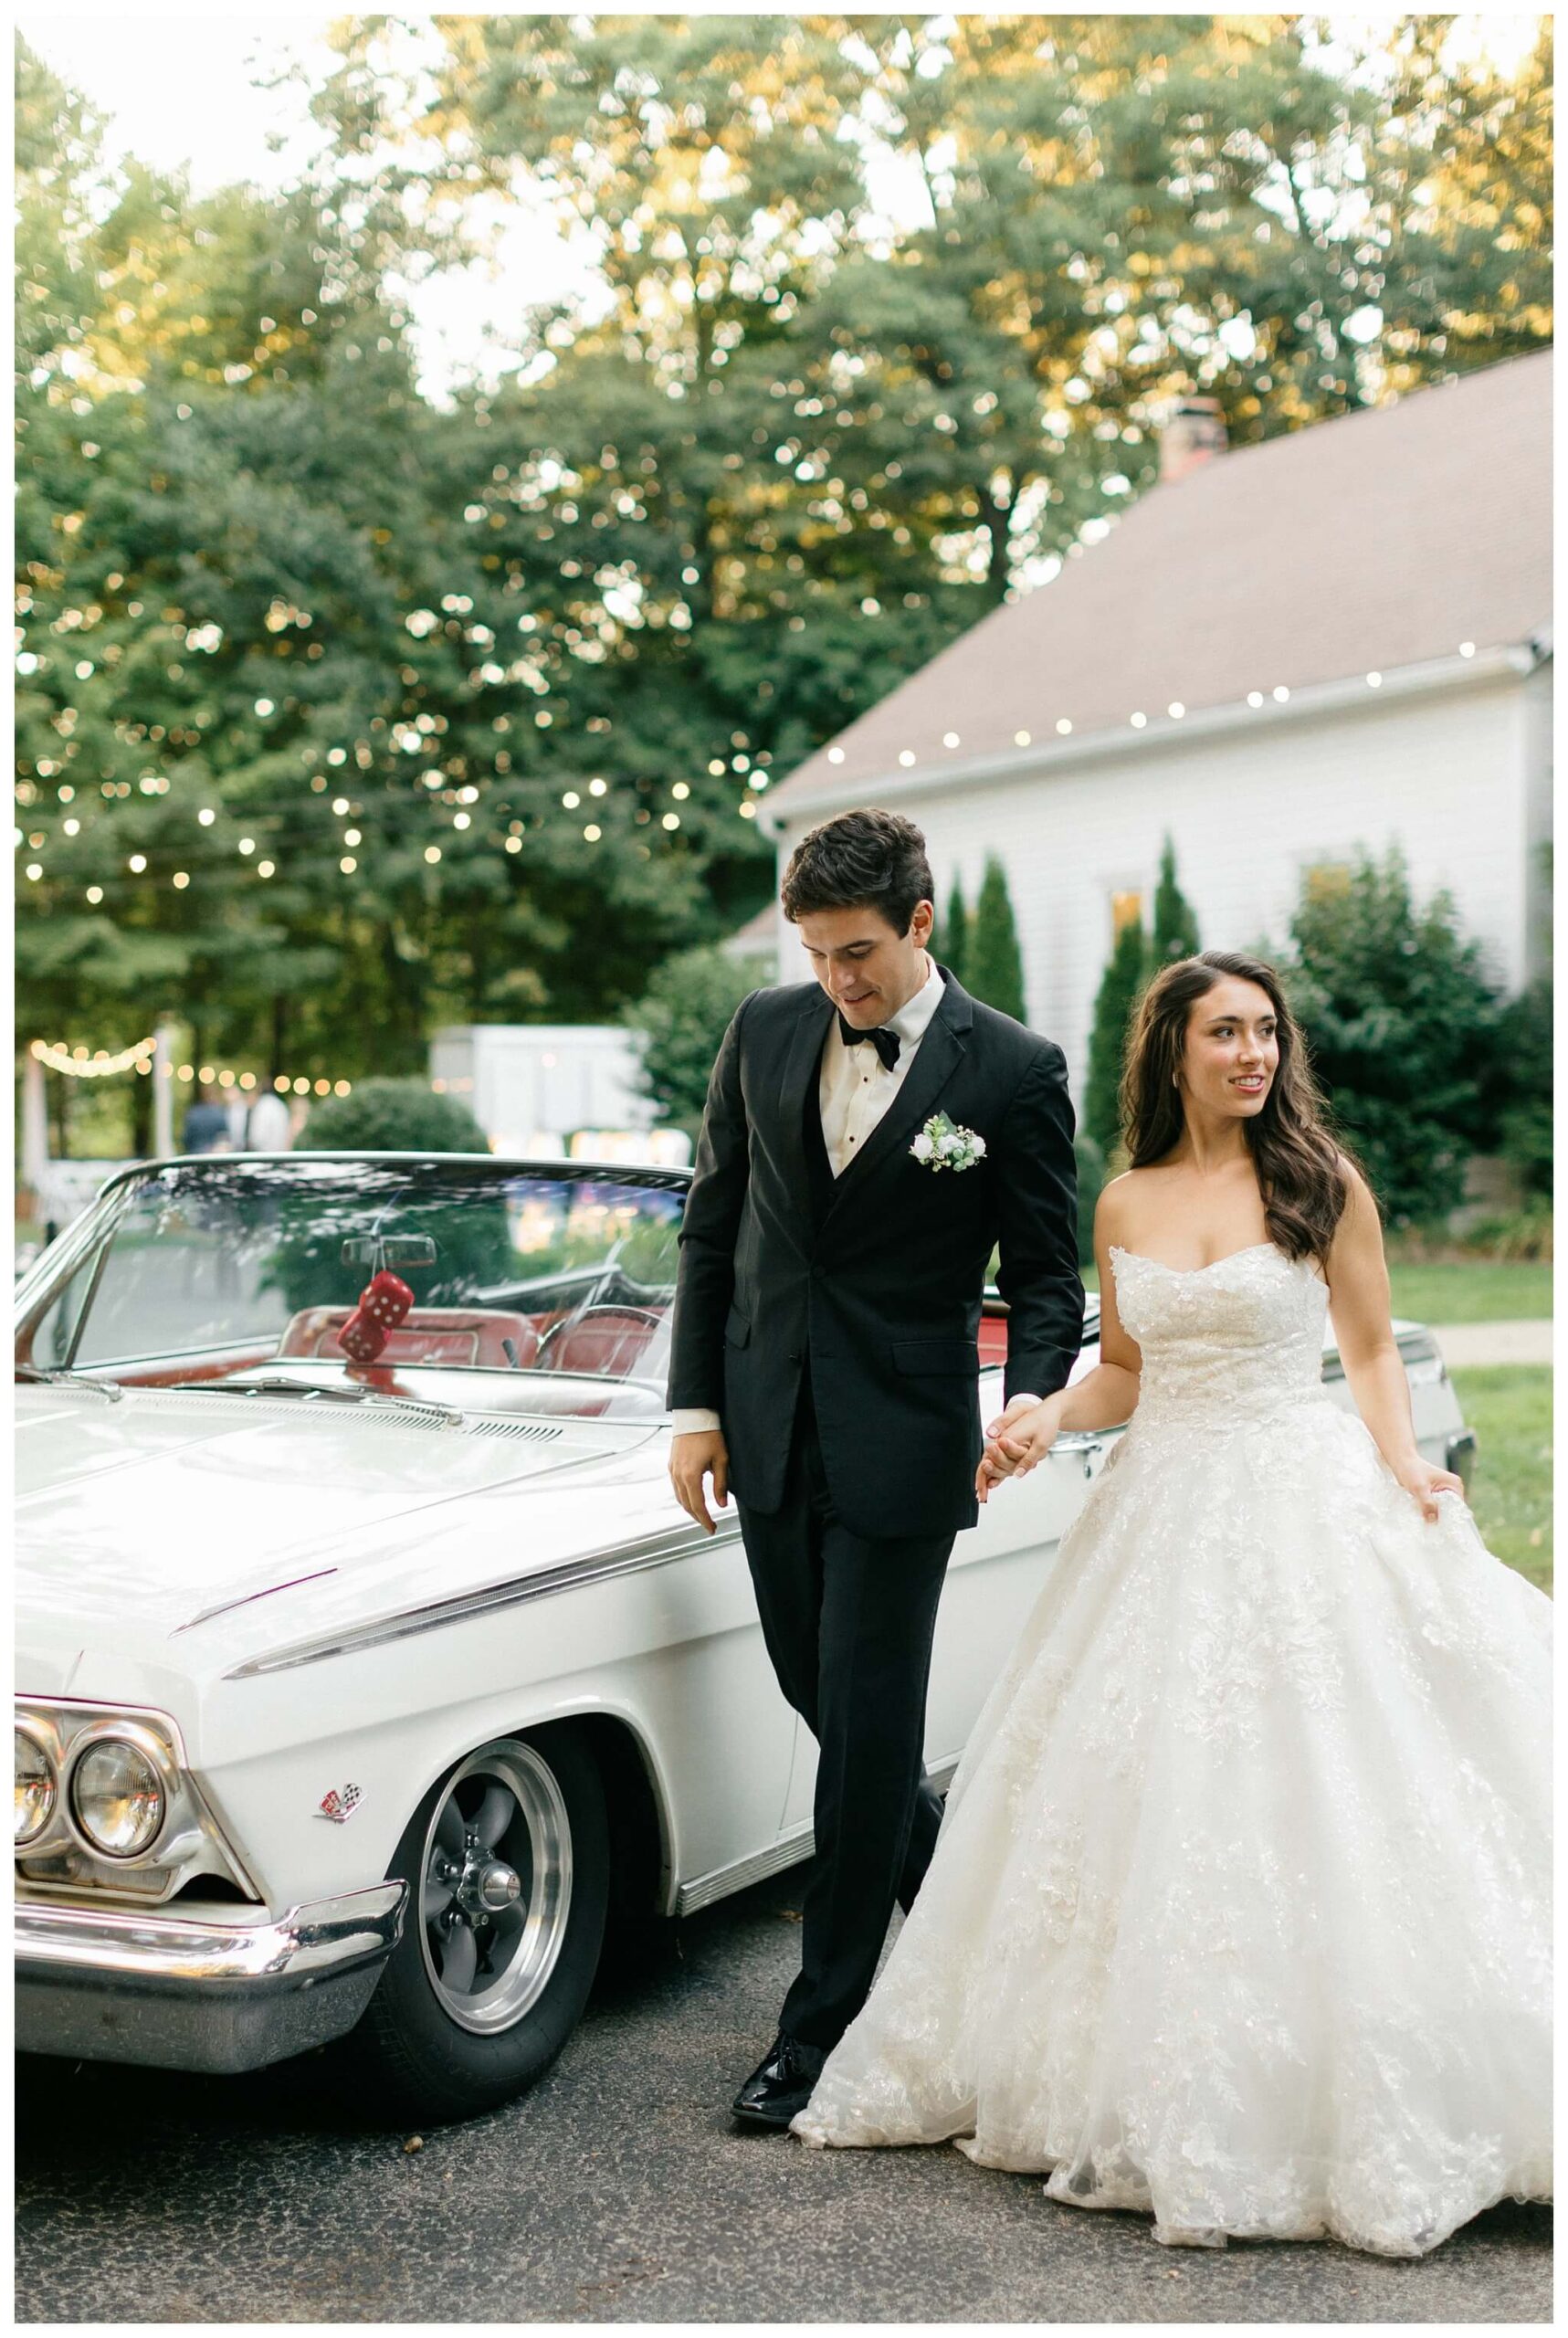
<point>508,1866</point>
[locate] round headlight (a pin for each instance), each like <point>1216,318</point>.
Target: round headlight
<point>117,1797</point>
<point>35,1787</point>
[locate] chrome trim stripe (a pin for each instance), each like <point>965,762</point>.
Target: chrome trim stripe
<point>798,1844</point>
<point>247,1598</point>
<point>573,1575</point>
<point>323,1936</point>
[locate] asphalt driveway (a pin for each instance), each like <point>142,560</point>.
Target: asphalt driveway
<point>619,2192</point>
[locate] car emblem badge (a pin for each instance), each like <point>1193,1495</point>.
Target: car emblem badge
<point>337,1803</point>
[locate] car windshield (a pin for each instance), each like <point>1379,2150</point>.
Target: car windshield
<point>382,1273</point>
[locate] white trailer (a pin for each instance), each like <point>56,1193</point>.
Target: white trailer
<point>544,1090</point>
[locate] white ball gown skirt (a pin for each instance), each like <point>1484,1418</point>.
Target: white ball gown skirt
<point>1240,1910</point>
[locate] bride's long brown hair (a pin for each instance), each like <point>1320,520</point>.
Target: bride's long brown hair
<point>1303,1187</point>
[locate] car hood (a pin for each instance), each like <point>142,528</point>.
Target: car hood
<point>144,1516</point>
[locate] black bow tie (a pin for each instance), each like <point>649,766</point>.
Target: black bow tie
<point>886,1042</point>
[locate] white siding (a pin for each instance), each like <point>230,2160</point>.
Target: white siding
<point>1453,778</point>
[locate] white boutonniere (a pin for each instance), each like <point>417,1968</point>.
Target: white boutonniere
<point>942,1145</point>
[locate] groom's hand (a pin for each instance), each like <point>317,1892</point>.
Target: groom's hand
<point>701,1454</point>
<point>1013,1448</point>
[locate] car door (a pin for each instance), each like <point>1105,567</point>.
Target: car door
<point>994,1578</point>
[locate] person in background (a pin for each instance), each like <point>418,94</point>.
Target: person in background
<point>207,1126</point>
<point>270,1128</point>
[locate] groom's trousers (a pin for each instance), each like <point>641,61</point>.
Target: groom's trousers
<point>848,1620</point>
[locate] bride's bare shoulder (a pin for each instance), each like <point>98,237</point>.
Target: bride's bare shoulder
<point>1120,1200</point>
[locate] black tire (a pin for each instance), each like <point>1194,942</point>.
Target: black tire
<point>424,2063</point>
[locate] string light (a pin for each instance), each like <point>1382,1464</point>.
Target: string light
<point>76,1063</point>
<point>285,1082</point>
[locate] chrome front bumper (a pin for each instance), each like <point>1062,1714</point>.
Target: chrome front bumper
<point>195,1994</point>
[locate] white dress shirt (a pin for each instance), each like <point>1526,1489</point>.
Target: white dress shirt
<point>854,1088</point>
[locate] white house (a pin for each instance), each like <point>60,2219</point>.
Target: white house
<point>1281,655</point>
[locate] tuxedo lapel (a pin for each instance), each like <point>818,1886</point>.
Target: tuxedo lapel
<point>940,1053</point>
<point>802,1056</point>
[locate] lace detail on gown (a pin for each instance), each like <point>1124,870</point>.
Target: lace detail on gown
<point>1240,1909</point>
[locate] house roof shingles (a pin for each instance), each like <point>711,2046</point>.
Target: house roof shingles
<point>1379,540</point>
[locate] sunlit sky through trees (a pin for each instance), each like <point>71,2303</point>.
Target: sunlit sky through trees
<point>185,89</point>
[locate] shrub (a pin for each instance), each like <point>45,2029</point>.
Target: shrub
<point>1175,926</point>
<point>1121,986</point>
<point>950,944</point>
<point>1091,1178</point>
<point>391,1116</point>
<point>683,1015</point>
<point>993,960</point>
<point>1521,1234</point>
<point>1400,1021</point>
<point>1522,1086</point>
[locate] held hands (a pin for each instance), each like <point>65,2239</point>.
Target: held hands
<point>701,1454</point>
<point>1423,1481</point>
<point>1017,1440</point>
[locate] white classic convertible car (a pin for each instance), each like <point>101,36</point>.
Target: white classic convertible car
<point>367,1671</point>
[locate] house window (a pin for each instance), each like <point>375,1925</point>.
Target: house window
<point>1326,880</point>
<point>1126,909</point>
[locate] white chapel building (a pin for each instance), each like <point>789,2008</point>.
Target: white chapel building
<point>1282,655</point>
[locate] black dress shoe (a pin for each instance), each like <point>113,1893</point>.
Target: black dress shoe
<point>781,2084</point>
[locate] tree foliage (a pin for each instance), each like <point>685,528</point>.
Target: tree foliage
<point>491,687</point>
<point>951,945</point>
<point>1121,986</point>
<point>992,958</point>
<point>1400,1020</point>
<point>1176,931</point>
<point>683,1015</point>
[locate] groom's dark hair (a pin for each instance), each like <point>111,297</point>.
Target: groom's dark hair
<point>868,860</point>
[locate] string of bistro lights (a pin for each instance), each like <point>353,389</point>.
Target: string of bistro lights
<point>571,800</point>
<point>82,1063</point>
<point>247,847</point>
<point>1139,720</point>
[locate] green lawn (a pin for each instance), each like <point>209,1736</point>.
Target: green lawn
<point>1510,1408</point>
<point>1487,1293</point>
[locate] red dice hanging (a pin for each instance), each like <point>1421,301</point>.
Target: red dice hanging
<point>383,1304</point>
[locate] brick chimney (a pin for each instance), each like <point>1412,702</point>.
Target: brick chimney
<point>1193,436</point>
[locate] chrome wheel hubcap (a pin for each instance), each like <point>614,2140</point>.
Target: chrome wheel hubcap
<point>497,1886</point>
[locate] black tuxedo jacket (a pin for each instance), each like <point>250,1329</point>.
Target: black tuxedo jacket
<point>872,1281</point>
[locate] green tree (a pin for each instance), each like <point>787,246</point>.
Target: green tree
<point>683,1015</point>
<point>1401,1022</point>
<point>993,960</point>
<point>952,947</point>
<point>538,653</point>
<point>1121,986</point>
<point>1176,927</point>
<point>1523,1087</point>
<point>1090,1164</point>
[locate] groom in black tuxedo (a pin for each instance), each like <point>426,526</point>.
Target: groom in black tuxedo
<point>824,1359</point>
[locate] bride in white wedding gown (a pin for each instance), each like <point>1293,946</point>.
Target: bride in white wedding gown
<point>1240,1910</point>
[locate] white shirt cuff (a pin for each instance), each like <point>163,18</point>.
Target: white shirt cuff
<point>695,1421</point>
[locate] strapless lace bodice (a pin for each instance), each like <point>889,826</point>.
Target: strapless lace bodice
<point>1223,1345</point>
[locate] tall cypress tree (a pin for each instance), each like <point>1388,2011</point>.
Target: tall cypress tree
<point>993,963</point>
<point>1175,926</point>
<point>953,949</point>
<point>1121,986</point>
